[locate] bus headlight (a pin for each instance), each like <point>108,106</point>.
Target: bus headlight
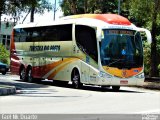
<point>140,76</point>
<point>104,75</point>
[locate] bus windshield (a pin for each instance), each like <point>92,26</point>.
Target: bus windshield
<point>121,48</point>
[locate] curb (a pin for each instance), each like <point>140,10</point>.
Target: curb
<point>152,85</point>
<point>7,90</point>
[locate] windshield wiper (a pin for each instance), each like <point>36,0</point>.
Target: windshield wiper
<point>115,61</point>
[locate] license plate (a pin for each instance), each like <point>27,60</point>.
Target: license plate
<point>123,82</point>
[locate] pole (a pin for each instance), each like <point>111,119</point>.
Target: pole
<point>119,5</point>
<point>55,9</point>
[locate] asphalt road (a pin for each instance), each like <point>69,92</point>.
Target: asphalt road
<point>45,98</point>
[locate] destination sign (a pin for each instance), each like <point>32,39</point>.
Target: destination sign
<point>126,32</point>
<point>54,48</point>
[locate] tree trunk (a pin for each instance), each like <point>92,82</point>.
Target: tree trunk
<point>74,10</point>
<point>26,16</point>
<point>32,14</point>
<point>0,22</point>
<point>1,11</point>
<point>154,69</point>
<point>85,6</point>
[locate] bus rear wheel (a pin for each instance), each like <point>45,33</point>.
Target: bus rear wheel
<point>115,88</point>
<point>23,74</point>
<point>76,79</point>
<point>3,73</point>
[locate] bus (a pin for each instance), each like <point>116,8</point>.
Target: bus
<point>87,49</point>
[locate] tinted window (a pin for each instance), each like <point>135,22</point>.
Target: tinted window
<point>46,33</point>
<point>122,49</point>
<point>86,40</point>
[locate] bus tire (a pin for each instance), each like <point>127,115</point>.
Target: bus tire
<point>29,75</point>
<point>76,79</point>
<point>3,73</point>
<point>60,83</point>
<point>23,74</point>
<point>115,88</point>
<point>105,86</point>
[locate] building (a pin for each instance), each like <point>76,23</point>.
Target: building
<point>5,33</point>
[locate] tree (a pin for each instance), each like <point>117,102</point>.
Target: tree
<point>147,13</point>
<point>16,7</point>
<point>36,6</point>
<point>4,54</point>
<point>1,11</point>
<point>72,7</point>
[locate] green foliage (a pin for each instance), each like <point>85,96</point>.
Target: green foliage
<point>159,69</point>
<point>147,56</point>
<point>4,54</point>
<point>70,7</point>
<point>158,53</point>
<point>15,8</point>
<point>146,13</point>
<point>39,5</point>
<point>141,11</point>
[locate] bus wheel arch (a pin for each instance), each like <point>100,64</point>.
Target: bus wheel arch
<point>22,73</point>
<point>75,78</point>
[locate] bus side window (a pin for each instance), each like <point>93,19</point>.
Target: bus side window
<point>23,35</point>
<point>17,35</point>
<point>86,40</point>
<point>65,32</point>
<point>50,34</point>
<point>28,34</point>
<point>58,33</point>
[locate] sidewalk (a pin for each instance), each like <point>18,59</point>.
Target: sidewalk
<point>7,90</point>
<point>152,83</point>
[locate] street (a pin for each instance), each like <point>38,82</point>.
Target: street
<point>44,97</point>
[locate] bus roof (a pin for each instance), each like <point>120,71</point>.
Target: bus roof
<point>101,20</point>
<point>108,18</point>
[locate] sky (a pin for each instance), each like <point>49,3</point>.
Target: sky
<point>47,16</point>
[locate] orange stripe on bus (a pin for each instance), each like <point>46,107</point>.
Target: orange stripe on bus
<point>60,68</point>
<point>49,67</point>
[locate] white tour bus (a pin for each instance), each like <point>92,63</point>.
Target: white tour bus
<point>95,49</point>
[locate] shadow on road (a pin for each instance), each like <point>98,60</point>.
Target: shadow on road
<point>88,87</point>
<point>22,85</point>
<point>44,84</point>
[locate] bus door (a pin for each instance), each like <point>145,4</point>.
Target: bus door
<point>85,70</point>
<point>84,64</point>
<point>87,44</point>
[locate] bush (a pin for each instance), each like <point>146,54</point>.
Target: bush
<point>147,58</point>
<point>4,54</point>
<point>159,69</point>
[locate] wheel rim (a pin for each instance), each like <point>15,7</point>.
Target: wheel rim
<point>23,75</point>
<point>75,79</point>
<point>30,75</point>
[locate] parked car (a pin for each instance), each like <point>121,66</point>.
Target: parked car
<point>3,68</point>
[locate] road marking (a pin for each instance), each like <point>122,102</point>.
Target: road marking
<point>156,111</point>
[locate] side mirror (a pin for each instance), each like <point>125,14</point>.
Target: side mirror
<point>148,34</point>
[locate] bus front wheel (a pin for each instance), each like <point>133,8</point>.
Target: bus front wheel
<point>76,79</point>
